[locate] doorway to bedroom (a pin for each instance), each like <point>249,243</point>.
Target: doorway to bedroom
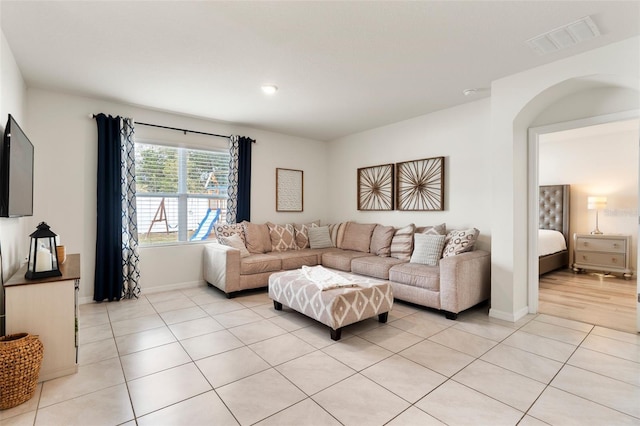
<point>595,161</point>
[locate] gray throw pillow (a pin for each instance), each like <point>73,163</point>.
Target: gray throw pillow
<point>319,237</point>
<point>427,249</point>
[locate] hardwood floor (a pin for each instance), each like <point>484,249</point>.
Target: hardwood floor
<point>607,301</point>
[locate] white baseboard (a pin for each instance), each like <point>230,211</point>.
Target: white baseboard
<point>509,316</point>
<point>157,289</point>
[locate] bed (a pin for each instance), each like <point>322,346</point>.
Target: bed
<point>553,233</point>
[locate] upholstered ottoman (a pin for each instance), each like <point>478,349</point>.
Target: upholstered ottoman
<point>335,307</point>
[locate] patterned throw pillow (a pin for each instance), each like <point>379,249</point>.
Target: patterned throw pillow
<point>337,233</point>
<point>402,242</point>
<point>236,242</point>
<point>282,237</point>
<point>381,240</point>
<point>319,237</point>
<point>357,236</point>
<point>302,233</point>
<point>433,230</point>
<point>460,241</point>
<point>257,237</point>
<point>226,230</point>
<point>427,249</point>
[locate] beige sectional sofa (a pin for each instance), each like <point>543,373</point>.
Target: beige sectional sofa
<point>427,266</point>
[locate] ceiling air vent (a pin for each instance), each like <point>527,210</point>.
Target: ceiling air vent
<point>566,36</point>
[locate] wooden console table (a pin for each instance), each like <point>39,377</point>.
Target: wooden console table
<point>47,307</point>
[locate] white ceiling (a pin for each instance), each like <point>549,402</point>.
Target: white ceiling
<point>342,67</point>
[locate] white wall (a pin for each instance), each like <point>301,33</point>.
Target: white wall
<point>516,101</point>
<point>65,141</point>
<point>460,134</point>
<point>596,161</point>
<point>14,232</point>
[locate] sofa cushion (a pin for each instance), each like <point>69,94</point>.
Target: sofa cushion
<point>295,259</point>
<point>427,249</point>
<point>282,237</point>
<point>381,240</point>
<point>336,231</point>
<point>433,230</point>
<point>227,230</point>
<point>319,237</point>
<point>236,242</point>
<point>417,275</point>
<point>374,266</point>
<point>302,233</point>
<point>402,243</point>
<point>357,236</point>
<point>258,263</point>
<point>460,241</point>
<point>341,259</point>
<point>257,237</point>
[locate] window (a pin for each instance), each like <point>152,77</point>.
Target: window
<point>180,192</point>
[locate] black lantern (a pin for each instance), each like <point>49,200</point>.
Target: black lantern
<point>43,256</point>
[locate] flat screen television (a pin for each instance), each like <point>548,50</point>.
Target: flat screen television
<point>16,172</point>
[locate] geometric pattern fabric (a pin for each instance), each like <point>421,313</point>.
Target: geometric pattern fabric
<point>337,307</point>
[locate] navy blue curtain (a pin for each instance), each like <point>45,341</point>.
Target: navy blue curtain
<point>244,179</point>
<point>108,273</point>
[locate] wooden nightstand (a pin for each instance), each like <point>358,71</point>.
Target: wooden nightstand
<point>607,253</point>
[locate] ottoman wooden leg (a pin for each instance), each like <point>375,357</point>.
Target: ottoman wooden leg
<point>336,334</point>
<point>383,317</point>
<point>277,306</point>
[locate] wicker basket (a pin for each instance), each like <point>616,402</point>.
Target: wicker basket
<point>20,359</point>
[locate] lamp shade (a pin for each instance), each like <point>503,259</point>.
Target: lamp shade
<point>596,203</point>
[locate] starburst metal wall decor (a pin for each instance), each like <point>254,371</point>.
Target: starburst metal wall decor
<point>420,184</point>
<point>375,187</point>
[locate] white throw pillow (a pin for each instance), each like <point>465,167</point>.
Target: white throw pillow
<point>460,241</point>
<point>319,237</point>
<point>236,242</point>
<point>427,249</point>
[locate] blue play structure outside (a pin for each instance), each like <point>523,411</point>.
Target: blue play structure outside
<point>204,229</point>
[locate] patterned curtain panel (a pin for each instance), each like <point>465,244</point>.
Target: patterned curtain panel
<point>232,190</point>
<point>116,272</point>
<point>239,191</point>
<point>130,257</point>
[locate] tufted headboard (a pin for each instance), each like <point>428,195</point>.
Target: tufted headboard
<point>554,208</point>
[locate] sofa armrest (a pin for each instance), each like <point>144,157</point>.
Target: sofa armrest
<point>222,267</point>
<point>465,280</point>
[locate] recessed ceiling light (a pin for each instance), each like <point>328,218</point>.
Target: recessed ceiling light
<point>469,92</point>
<point>269,89</point>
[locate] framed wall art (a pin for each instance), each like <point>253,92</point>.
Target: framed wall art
<point>375,187</point>
<point>420,184</point>
<point>289,190</point>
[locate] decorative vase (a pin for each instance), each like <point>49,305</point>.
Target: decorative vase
<point>62,254</point>
<point>20,360</point>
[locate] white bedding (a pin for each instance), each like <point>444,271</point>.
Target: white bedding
<point>550,242</point>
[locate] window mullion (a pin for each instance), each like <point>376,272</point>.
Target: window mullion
<point>182,195</point>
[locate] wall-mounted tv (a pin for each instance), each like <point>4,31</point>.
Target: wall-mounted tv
<point>16,172</point>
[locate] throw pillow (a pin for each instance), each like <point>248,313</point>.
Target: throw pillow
<point>427,249</point>
<point>282,237</point>
<point>257,237</point>
<point>337,233</point>
<point>357,236</point>
<point>319,237</point>
<point>402,242</point>
<point>236,242</point>
<point>302,233</point>
<point>226,230</point>
<point>381,240</point>
<point>433,230</point>
<point>460,241</point>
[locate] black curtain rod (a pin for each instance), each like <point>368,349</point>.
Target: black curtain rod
<point>180,130</point>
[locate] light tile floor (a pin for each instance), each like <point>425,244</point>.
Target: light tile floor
<point>193,357</point>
